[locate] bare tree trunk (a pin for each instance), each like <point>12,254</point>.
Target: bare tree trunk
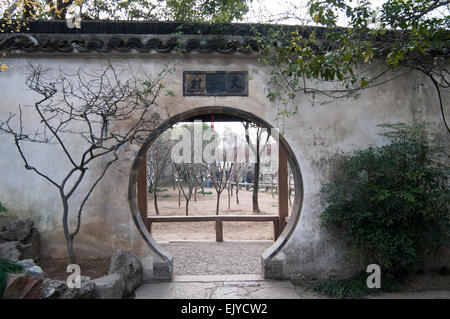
<point>73,257</point>
<point>256,185</point>
<point>203,191</point>
<point>179,196</point>
<point>256,150</point>
<point>174,179</point>
<point>155,202</point>
<point>271,187</point>
<point>187,207</point>
<point>229,198</point>
<point>67,235</point>
<point>155,195</point>
<point>237,192</point>
<point>217,204</point>
<point>195,194</point>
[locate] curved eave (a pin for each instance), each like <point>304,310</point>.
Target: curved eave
<point>127,44</point>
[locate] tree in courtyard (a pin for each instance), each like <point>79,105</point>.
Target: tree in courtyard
<point>235,173</point>
<point>231,145</point>
<point>158,158</point>
<point>224,165</point>
<point>89,117</point>
<point>218,172</point>
<point>237,178</point>
<point>188,167</point>
<point>257,147</point>
<point>190,176</point>
<point>200,185</point>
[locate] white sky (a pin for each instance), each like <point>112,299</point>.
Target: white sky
<point>235,128</point>
<point>221,127</point>
<point>263,10</point>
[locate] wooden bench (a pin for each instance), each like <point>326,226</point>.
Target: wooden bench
<point>219,219</point>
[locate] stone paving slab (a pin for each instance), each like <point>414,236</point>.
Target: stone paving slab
<point>274,293</point>
<point>219,278</point>
<point>219,287</point>
<point>174,291</point>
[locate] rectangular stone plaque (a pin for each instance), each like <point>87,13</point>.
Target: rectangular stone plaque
<point>215,83</point>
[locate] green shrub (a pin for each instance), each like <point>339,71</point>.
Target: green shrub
<point>444,271</point>
<point>158,190</point>
<point>391,202</point>
<point>7,267</point>
<point>3,209</point>
<point>204,193</point>
<point>355,287</point>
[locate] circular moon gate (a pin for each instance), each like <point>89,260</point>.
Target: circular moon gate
<point>166,258</point>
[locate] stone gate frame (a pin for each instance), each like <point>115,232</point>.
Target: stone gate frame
<point>163,269</point>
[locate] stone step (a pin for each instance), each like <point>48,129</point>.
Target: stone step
<point>218,278</point>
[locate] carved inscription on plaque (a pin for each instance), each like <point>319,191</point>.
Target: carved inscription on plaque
<point>215,83</point>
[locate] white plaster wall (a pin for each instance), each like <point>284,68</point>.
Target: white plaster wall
<point>314,134</point>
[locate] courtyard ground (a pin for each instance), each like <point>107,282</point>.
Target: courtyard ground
<point>211,258</point>
<point>206,205</point>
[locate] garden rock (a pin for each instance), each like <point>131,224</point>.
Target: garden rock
<point>21,229</point>
<point>22,286</point>
<point>31,245</point>
<point>52,289</point>
<point>10,251</point>
<point>26,263</point>
<point>86,291</point>
<point>30,268</point>
<point>109,287</point>
<point>129,267</point>
<point>26,235</point>
<point>147,269</point>
<point>7,236</point>
<point>35,271</point>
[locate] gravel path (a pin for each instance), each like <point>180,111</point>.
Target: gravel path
<point>211,258</point>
